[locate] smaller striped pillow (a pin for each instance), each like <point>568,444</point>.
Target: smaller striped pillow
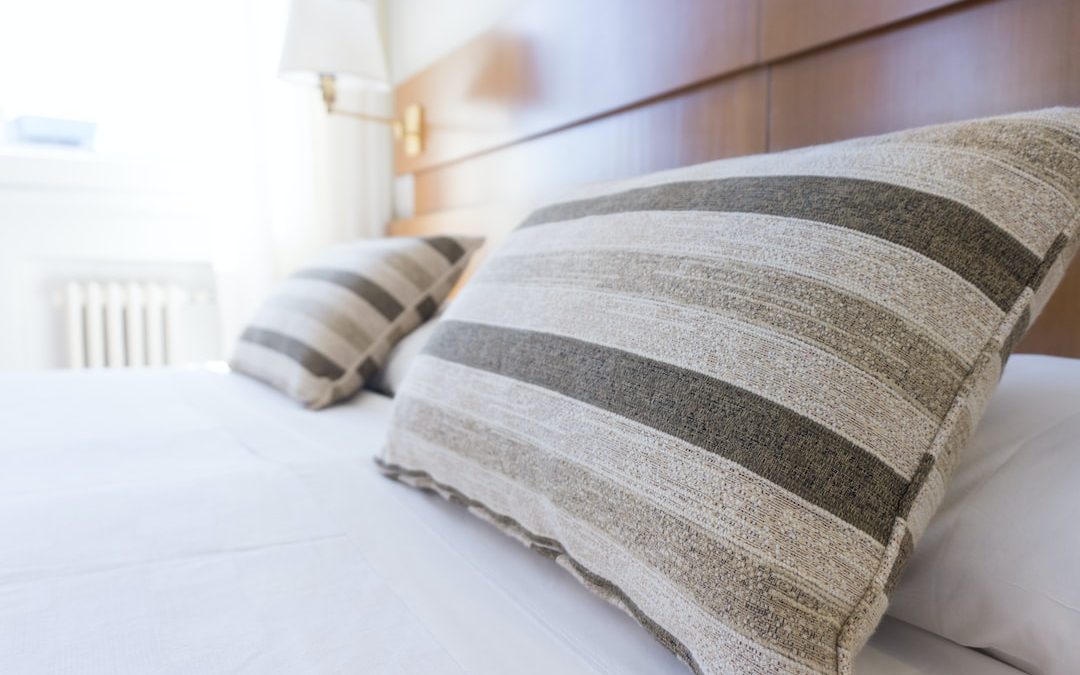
<point>329,327</point>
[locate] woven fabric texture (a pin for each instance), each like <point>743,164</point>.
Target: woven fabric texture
<point>329,327</point>
<point>728,397</point>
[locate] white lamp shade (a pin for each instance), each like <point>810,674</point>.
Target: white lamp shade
<point>333,37</point>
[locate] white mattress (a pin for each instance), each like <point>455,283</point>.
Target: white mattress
<point>193,522</point>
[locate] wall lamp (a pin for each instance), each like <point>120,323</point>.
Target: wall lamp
<point>335,45</point>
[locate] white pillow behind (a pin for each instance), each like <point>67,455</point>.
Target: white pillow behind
<point>999,566</point>
<point>389,377</point>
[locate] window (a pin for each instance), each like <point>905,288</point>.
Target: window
<point>162,80</point>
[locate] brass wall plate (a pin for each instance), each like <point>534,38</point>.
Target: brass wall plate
<point>412,130</point>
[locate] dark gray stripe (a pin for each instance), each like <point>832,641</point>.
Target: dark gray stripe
<point>865,334</point>
<point>448,247</point>
<point>427,307</point>
<point>365,288</point>
<point>311,360</point>
<point>954,235</point>
<point>367,368</point>
<point>778,444</point>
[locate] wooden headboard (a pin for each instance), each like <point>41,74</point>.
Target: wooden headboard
<point>565,92</point>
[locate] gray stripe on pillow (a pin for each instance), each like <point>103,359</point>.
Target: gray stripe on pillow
<point>769,439</point>
<point>946,231</point>
<point>861,332</point>
<point>363,287</point>
<point>312,361</point>
<point>449,248</point>
<point>641,458</point>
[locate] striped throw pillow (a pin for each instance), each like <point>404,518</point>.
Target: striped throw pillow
<point>728,397</point>
<point>329,327</point>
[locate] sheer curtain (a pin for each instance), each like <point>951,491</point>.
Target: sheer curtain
<point>317,179</point>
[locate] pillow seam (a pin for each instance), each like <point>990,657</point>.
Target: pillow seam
<point>847,636</point>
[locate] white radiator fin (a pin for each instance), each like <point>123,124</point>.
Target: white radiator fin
<point>122,325</point>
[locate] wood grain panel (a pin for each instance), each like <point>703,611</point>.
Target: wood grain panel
<point>720,119</point>
<point>791,26</point>
<point>562,94</point>
<point>1057,330</point>
<point>981,59</point>
<point>556,62</point>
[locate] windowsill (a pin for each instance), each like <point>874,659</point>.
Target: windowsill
<point>30,167</point>
<point>43,150</point>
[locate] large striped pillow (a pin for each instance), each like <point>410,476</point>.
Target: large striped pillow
<point>727,397</point>
<point>329,327</point>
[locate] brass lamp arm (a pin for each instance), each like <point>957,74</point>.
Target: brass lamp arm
<point>362,116</point>
<point>412,137</point>
<point>395,125</point>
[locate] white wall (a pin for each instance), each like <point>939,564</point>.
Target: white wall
<point>422,31</point>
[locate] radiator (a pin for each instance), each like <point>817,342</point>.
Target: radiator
<point>123,324</point>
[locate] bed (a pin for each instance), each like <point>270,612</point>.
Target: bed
<point>198,521</point>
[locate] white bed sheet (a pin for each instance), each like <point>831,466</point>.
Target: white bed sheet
<point>194,522</point>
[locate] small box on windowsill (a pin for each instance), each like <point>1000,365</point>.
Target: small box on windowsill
<point>53,131</point>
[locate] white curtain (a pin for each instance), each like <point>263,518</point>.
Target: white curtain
<point>316,179</point>
<point>322,178</point>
